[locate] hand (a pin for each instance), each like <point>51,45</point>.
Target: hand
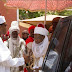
<point>27,58</point>
<point>20,68</point>
<point>38,68</point>
<point>31,59</point>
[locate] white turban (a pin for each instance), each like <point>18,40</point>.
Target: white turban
<point>2,19</point>
<point>14,27</point>
<point>40,30</point>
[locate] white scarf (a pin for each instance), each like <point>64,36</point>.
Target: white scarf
<point>40,49</point>
<point>14,45</point>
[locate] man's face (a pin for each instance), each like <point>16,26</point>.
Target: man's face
<point>24,35</point>
<point>14,34</point>
<point>3,29</point>
<point>32,33</point>
<point>38,38</point>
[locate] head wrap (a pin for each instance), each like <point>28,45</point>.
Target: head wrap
<point>40,30</point>
<point>41,25</point>
<point>31,27</point>
<point>2,19</point>
<point>55,21</point>
<point>14,27</point>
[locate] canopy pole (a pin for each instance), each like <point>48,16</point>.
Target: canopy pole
<point>45,11</point>
<point>18,15</point>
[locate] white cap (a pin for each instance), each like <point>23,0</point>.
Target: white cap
<point>14,23</point>
<point>40,30</point>
<point>2,19</point>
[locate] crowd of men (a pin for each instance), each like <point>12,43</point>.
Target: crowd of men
<point>26,53</point>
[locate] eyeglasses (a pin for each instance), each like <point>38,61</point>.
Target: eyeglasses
<point>3,24</point>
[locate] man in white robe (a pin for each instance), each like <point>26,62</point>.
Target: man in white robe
<point>6,60</point>
<point>39,48</point>
<point>15,44</point>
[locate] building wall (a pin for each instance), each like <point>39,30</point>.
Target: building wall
<point>10,15</point>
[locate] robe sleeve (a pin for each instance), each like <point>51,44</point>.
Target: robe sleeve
<point>52,59</point>
<point>4,52</point>
<point>6,59</point>
<point>6,43</point>
<point>23,45</point>
<point>15,62</point>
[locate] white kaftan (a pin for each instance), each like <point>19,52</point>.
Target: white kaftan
<point>6,60</point>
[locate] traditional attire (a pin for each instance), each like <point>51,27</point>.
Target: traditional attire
<point>39,51</point>
<point>6,60</point>
<point>51,61</point>
<point>30,39</point>
<point>29,42</point>
<point>16,46</point>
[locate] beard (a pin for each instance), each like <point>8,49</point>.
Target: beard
<point>25,38</point>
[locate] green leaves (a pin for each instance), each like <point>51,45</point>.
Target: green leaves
<point>28,15</point>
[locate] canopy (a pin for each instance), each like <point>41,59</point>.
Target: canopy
<point>35,21</point>
<point>36,5</point>
<point>24,24</point>
<point>39,5</point>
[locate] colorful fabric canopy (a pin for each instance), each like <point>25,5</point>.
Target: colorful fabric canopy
<point>36,5</point>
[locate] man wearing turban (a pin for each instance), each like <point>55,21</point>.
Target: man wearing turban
<point>6,60</point>
<point>15,44</point>
<point>39,49</point>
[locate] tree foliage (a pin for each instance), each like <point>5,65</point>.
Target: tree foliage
<point>28,15</point>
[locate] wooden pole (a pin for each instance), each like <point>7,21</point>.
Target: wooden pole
<point>45,11</point>
<point>18,15</point>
